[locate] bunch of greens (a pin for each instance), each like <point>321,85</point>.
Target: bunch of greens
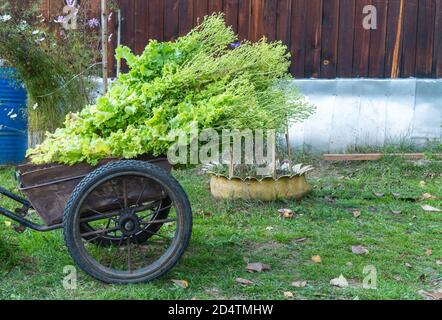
<point>200,78</point>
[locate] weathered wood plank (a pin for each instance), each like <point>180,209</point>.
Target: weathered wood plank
<point>346,38</point>
<point>45,8</point>
<point>313,34</point>
<point>330,30</point>
<point>128,19</point>
<point>185,16</point>
<point>437,58</point>
<point>201,9</point>
<point>269,19</point>
<point>112,31</point>
<point>141,26</point>
<point>297,40</point>
<point>156,19</point>
<point>231,11</point>
<point>377,41</point>
<point>394,39</point>
<point>283,21</point>
<point>215,6</point>
<point>171,22</point>
<point>425,38</point>
<point>256,23</point>
<point>56,8</point>
<point>361,50</point>
<point>372,156</point>
<point>409,39</point>
<point>244,16</point>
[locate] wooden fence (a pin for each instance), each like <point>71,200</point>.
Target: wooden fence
<point>326,37</point>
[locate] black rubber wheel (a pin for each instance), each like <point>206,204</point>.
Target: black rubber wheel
<point>138,256</point>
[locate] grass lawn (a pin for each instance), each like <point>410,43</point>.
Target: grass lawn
<point>403,240</point>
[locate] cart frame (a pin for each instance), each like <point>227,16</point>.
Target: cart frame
<point>26,206</point>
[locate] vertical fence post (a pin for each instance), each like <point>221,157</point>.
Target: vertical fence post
<point>119,41</point>
<point>104,37</point>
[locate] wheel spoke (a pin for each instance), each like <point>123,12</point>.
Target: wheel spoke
<point>108,223</point>
<point>113,255</point>
<point>98,232</point>
<point>94,211</point>
<point>157,221</point>
<point>92,239</point>
<point>129,254</point>
<point>125,193</point>
<point>153,213</point>
<point>100,217</point>
<point>157,234</point>
<point>116,194</point>
<point>141,194</point>
<point>162,209</point>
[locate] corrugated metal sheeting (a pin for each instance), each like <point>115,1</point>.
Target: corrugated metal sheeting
<point>369,112</point>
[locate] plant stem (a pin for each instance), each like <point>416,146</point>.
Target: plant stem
<point>232,167</point>
<point>289,151</point>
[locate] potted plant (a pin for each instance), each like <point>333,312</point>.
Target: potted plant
<point>286,181</point>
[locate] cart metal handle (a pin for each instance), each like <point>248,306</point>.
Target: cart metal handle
<point>21,220</point>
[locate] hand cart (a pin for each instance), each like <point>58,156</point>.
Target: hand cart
<point>124,221</point>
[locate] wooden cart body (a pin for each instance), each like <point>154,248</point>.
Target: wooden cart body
<point>48,187</point>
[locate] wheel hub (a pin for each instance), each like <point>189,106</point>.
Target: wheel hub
<point>129,224</point>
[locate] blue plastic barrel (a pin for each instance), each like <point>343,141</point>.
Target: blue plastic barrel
<point>13,119</point>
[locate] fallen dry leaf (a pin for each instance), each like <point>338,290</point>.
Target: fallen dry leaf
<point>428,196</point>
<point>244,282</point>
<point>356,214</point>
<point>316,259</point>
<point>437,295</point>
<point>396,212</point>
<point>286,213</point>
<point>428,208</point>
<point>359,250</point>
<point>378,194</point>
<point>181,283</point>
<point>396,194</point>
<point>269,228</point>
<point>429,252</point>
<point>288,294</point>
<point>299,284</point>
<point>340,282</point>
<point>257,267</point>
<point>409,266</point>
<point>300,239</point>
<point>330,200</point>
